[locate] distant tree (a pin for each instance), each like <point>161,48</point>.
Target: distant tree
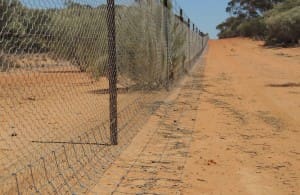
<point>246,18</point>
<point>250,8</point>
<point>283,23</point>
<point>229,27</point>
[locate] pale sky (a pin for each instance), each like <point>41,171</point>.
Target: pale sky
<point>206,14</point>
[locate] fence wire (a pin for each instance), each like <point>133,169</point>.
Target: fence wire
<point>55,92</point>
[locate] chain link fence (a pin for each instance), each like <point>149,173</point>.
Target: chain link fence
<point>77,81</point>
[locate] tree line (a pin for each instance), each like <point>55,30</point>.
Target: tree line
<point>275,21</point>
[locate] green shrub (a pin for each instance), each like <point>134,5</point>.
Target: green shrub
<point>228,28</point>
<point>78,33</point>
<point>17,23</point>
<point>3,63</point>
<point>283,23</point>
<point>278,21</point>
<point>254,28</point>
<point>85,45</point>
<point>142,50</point>
<point>137,57</point>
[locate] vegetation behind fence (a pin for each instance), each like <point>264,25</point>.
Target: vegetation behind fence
<point>74,72</point>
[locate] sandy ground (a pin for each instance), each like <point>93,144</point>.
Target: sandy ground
<point>42,109</point>
<point>232,127</point>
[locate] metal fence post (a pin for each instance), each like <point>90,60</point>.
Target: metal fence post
<point>189,40</point>
<point>202,41</point>
<point>192,39</point>
<point>181,15</point>
<point>182,24</point>
<point>112,71</point>
<point>166,28</point>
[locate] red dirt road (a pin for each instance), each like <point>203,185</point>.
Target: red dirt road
<point>231,128</point>
<point>248,122</point>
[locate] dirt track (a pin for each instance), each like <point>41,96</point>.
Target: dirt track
<point>232,128</point>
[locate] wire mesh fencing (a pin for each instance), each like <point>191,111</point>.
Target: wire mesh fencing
<point>77,81</point>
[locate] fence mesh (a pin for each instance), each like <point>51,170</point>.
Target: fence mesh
<point>55,84</point>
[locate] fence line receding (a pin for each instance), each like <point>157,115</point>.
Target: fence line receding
<point>78,78</point>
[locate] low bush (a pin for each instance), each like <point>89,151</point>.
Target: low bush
<point>254,28</point>
<point>277,23</point>
<point>78,33</point>
<point>228,28</point>
<point>283,23</point>
<point>3,63</point>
